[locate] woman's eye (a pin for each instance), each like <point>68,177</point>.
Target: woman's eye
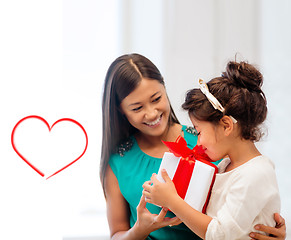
<point>136,109</point>
<point>157,99</point>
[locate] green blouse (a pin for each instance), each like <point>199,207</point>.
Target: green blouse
<point>132,167</point>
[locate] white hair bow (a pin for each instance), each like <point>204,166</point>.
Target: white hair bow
<point>213,100</point>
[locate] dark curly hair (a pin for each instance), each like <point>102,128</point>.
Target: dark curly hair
<point>239,91</point>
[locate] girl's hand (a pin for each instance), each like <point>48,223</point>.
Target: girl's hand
<point>160,193</point>
<point>149,222</point>
<point>277,232</point>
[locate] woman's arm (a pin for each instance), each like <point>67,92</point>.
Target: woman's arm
<point>118,214</point>
<point>277,232</point>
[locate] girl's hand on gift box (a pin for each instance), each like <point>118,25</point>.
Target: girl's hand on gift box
<point>277,232</point>
<point>159,193</point>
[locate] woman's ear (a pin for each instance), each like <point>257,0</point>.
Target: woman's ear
<point>227,124</point>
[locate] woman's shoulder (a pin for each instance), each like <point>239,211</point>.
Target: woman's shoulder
<point>122,153</point>
<point>124,147</point>
<point>189,129</point>
<point>129,147</point>
<point>190,135</point>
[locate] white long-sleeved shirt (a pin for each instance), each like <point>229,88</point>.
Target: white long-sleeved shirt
<point>241,198</point>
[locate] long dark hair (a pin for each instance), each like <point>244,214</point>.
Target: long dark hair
<point>239,91</point>
<point>121,79</point>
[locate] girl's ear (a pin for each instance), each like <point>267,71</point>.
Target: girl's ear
<point>227,124</point>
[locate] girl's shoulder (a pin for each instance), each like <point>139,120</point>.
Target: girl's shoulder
<point>259,171</point>
<point>260,166</point>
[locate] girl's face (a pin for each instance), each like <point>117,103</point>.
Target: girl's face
<point>147,107</point>
<point>211,138</point>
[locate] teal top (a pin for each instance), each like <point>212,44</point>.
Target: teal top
<point>132,167</point>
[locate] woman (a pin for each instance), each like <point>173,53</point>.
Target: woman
<point>137,115</point>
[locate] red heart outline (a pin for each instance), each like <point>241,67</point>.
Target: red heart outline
<point>50,128</point>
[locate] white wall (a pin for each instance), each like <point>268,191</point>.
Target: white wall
<point>276,63</point>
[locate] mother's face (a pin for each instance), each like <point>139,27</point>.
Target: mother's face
<point>147,108</point>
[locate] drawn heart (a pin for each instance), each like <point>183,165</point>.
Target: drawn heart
<point>50,128</point>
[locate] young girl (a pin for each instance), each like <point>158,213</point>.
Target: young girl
<point>137,115</point>
<point>227,113</point>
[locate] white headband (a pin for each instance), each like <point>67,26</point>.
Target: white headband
<point>213,100</point>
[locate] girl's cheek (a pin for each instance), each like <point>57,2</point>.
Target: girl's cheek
<point>203,143</point>
<point>200,140</point>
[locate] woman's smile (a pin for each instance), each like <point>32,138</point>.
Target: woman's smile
<point>154,123</point>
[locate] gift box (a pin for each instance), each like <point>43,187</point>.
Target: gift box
<point>191,171</point>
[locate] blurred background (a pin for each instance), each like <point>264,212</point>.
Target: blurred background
<point>53,59</point>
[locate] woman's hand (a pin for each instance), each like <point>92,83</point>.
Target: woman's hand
<point>118,214</point>
<point>160,193</point>
<point>151,222</point>
<point>277,232</point>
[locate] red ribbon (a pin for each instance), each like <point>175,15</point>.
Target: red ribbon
<point>186,165</point>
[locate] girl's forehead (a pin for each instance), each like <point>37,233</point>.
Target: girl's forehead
<point>198,123</point>
<point>194,120</point>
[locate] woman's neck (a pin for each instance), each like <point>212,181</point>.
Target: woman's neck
<point>153,145</point>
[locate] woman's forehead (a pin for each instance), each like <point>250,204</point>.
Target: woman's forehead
<point>146,89</point>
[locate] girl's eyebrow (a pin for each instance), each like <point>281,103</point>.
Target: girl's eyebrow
<point>137,103</point>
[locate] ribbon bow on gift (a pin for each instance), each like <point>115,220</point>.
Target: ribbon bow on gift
<point>179,149</point>
<point>186,165</point>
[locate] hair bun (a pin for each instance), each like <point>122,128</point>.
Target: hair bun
<point>244,75</point>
